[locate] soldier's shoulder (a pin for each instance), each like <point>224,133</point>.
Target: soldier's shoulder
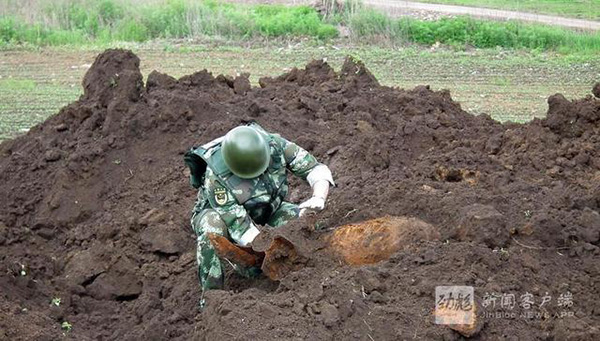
<point>210,180</point>
<point>277,138</point>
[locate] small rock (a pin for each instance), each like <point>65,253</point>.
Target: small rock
<point>298,308</point>
<point>596,90</point>
<point>165,239</point>
<point>590,221</point>
<point>162,274</point>
<point>120,282</point>
<point>160,80</point>
<point>530,262</point>
<point>493,144</point>
<point>52,155</point>
<point>333,150</point>
<point>372,284</point>
<point>111,140</point>
<point>428,188</point>
<point>3,233</point>
<point>472,326</point>
<point>266,311</point>
<point>61,127</point>
<point>483,223</point>
<point>527,229</point>
<point>377,297</point>
<point>152,217</point>
<point>329,315</point>
<point>225,79</point>
<point>554,171</point>
<point>224,311</point>
<point>589,247</point>
<point>265,81</point>
<point>54,203</point>
<point>364,127</point>
<point>309,103</point>
<point>241,84</point>
<point>46,233</point>
<point>85,265</point>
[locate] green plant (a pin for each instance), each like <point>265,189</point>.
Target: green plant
<point>66,326</point>
<point>55,301</point>
<point>131,31</point>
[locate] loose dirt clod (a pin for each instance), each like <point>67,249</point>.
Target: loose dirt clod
<point>76,203</point>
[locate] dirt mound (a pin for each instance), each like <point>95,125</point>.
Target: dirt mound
<point>96,205</point>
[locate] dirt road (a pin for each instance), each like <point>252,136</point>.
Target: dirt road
<point>397,8</point>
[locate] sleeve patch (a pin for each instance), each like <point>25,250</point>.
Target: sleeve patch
<point>221,196</point>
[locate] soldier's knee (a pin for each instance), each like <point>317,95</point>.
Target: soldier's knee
<point>209,220</point>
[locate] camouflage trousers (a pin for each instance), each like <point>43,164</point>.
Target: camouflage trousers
<point>210,270</point>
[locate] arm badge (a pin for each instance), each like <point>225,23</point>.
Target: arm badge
<point>221,196</point>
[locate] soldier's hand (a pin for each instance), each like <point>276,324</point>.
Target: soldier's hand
<point>313,204</point>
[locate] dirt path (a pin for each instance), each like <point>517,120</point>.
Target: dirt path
<point>396,8</point>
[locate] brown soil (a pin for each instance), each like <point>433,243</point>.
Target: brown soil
<point>96,204</point>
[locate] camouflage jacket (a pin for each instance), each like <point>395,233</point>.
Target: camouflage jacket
<point>236,199</point>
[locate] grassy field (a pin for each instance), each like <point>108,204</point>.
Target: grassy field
<point>584,9</point>
<point>509,85</point>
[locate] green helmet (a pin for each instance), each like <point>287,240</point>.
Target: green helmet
<point>245,152</point>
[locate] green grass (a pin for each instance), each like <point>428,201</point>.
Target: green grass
<point>85,22</point>
<point>584,9</point>
<point>510,85</point>
<point>464,32</point>
<point>17,84</point>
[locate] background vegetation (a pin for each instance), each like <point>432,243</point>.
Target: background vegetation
<point>465,31</point>
<point>80,22</point>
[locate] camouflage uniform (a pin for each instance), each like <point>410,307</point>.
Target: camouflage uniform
<point>229,205</point>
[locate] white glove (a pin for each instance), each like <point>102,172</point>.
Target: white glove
<point>312,205</point>
<point>248,236</point>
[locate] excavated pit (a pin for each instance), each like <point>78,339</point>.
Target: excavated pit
<point>96,203</point>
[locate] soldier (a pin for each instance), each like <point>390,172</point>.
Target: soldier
<point>242,183</point>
